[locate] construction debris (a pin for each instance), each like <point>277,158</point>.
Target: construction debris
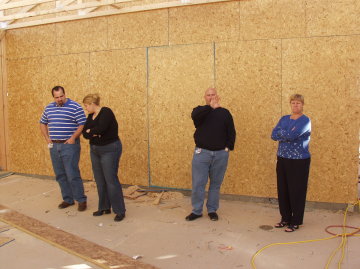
<point>158,198</point>
<point>154,195</point>
<point>130,190</point>
<point>170,195</point>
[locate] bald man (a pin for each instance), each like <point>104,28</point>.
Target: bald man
<point>214,138</point>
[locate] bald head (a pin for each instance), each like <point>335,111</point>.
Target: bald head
<point>209,94</point>
<point>210,90</point>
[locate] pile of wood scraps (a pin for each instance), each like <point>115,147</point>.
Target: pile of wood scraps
<point>150,195</point>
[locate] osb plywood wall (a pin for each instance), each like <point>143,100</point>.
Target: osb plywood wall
<point>177,77</point>
<point>152,68</point>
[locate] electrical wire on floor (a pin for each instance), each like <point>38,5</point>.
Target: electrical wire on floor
<point>4,229</point>
<point>344,235</point>
<point>6,174</point>
<point>7,242</point>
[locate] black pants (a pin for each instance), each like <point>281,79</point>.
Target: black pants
<point>292,180</point>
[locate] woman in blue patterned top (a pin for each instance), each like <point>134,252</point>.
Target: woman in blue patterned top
<point>293,164</point>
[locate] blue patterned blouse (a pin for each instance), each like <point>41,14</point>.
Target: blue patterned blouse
<point>293,137</point>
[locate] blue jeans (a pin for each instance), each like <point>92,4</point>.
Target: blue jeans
<point>207,164</point>
<point>105,164</point>
<point>65,160</point>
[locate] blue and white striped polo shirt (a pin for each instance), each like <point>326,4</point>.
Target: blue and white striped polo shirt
<point>62,121</point>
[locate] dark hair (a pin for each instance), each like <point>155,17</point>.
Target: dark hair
<point>56,89</point>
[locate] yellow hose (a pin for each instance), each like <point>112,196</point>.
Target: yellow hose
<point>342,245</point>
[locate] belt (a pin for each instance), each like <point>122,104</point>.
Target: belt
<point>58,141</point>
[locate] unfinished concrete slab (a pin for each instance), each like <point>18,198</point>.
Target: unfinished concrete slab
<point>162,237</point>
<point>26,251</point>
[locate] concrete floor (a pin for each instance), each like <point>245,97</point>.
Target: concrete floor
<point>164,239</point>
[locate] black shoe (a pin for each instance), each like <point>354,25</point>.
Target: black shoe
<point>65,205</point>
<point>119,217</point>
<point>192,216</point>
<point>291,228</point>
<point>281,224</point>
<point>213,216</point>
<point>101,212</point>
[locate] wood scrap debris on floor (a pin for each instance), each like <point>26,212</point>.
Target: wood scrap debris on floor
<point>158,198</point>
<point>147,195</point>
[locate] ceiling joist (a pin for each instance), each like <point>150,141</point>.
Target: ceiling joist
<point>62,8</point>
<point>23,4</point>
<point>84,10</point>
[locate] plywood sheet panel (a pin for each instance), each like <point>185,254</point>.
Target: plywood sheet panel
<point>204,23</point>
<point>120,79</point>
<point>71,72</point>
<point>141,29</point>
<point>178,78</point>
<point>26,146</point>
<point>325,70</point>
<point>264,19</point>
<point>329,17</point>
<point>30,42</point>
<point>248,77</point>
<point>81,36</point>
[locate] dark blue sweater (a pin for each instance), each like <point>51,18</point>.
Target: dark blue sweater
<point>293,137</point>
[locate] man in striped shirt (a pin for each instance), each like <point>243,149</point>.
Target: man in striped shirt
<point>61,124</point>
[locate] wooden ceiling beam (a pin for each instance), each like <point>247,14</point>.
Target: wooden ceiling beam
<point>130,9</point>
<point>4,2</point>
<point>23,10</point>
<point>92,5</point>
<point>23,4</point>
<point>65,3</point>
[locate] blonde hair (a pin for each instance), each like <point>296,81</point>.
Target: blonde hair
<point>92,98</point>
<point>297,97</point>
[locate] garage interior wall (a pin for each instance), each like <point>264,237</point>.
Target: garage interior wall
<point>153,67</point>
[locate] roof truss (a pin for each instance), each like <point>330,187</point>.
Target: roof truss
<point>58,11</point>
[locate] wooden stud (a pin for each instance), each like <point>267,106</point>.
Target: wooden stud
<point>4,139</point>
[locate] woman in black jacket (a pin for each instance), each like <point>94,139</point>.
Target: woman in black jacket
<point>101,128</point>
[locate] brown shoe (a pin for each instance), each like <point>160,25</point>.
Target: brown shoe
<point>64,205</point>
<point>82,206</point>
